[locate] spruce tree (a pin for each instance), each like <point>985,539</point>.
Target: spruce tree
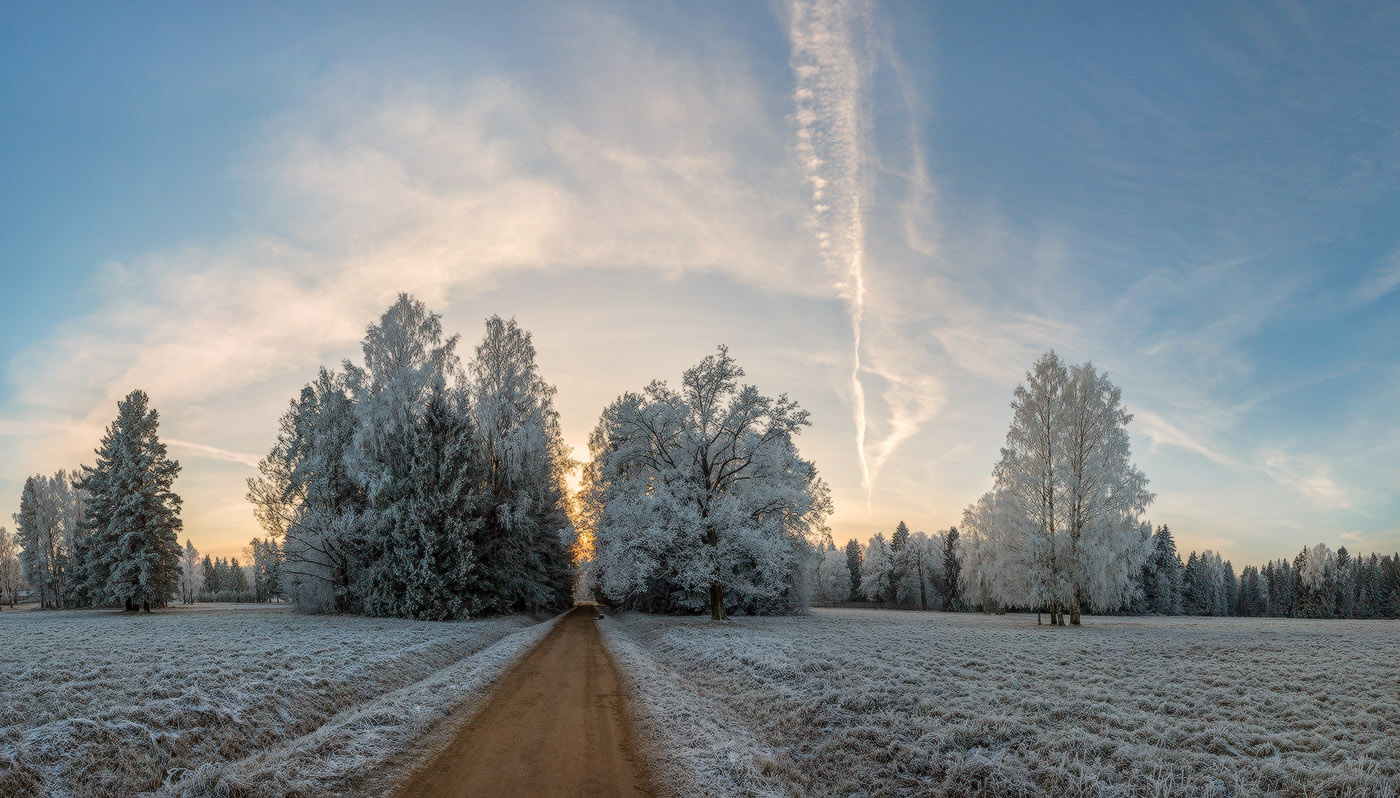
<point>211,575</point>
<point>1345,588</point>
<point>27,533</point>
<point>432,555</point>
<point>1194,599</point>
<point>898,541</point>
<point>1163,588</point>
<point>132,513</point>
<point>853,561</point>
<point>952,571</point>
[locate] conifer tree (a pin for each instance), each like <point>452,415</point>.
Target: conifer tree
<point>132,512</point>
<point>1163,587</point>
<point>1194,600</point>
<point>210,582</point>
<point>898,568</point>
<point>853,562</point>
<point>952,572</point>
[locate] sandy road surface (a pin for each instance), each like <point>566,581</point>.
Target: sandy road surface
<point>555,727</point>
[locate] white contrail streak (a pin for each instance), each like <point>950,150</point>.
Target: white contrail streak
<point>832,54</point>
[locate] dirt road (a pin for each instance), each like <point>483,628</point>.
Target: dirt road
<point>555,727</point>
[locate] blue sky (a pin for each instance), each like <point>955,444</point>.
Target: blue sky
<point>1201,199</point>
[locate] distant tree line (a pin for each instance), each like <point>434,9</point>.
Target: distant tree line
<point>1317,583</point>
<point>912,571</point>
<point>413,486</point>
<point>1062,532</point>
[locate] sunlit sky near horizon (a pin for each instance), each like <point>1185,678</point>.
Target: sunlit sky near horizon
<point>1204,199</point>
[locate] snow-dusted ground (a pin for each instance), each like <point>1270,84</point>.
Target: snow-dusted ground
<point>102,703</point>
<point>868,702</point>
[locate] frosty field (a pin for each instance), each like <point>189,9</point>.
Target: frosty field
<point>863,702</point>
<point>101,703</point>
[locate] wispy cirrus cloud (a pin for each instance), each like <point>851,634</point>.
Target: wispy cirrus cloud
<point>832,60</point>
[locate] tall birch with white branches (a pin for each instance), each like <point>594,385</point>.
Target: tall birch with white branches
<point>1063,528</point>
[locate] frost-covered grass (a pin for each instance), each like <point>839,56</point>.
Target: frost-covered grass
<point>864,702</point>
<point>104,703</point>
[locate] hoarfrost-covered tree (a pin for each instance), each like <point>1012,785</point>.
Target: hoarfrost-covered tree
<point>238,578</point>
<point>853,561</point>
<point>1162,575</point>
<point>210,576</point>
<point>1070,497</point>
<point>876,565</point>
<point>1252,598</point>
<point>132,512</point>
<point>897,543</point>
<point>266,556</point>
<point>916,564</point>
<point>702,498</point>
<point>833,578</point>
<point>414,541</point>
<point>191,575</point>
<point>951,583</point>
<point>11,573</point>
<point>322,534</point>
<point>1345,586</point>
<point>1000,559</point>
<point>1316,575</point>
<point>524,545</point>
<point>411,486</point>
<point>48,528</point>
<point>30,523</point>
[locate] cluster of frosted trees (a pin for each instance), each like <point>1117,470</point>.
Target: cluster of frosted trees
<point>1318,583</point>
<point>415,486</point>
<point>109,535</point>
<point>911,570</point>
<point>1061,530</point>
<point>697,499</point>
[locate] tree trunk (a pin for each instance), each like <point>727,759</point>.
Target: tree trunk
<point>1074,612</point>
<point>717,612</point>
<point>923,594</point>
<point>129,608</point>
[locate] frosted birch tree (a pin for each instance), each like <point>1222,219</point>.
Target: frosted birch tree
<point>702,498</point>
<point>1001,558</point>
<point>11,573</point>
<point>191,575</point>
<point>1067,531</point>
